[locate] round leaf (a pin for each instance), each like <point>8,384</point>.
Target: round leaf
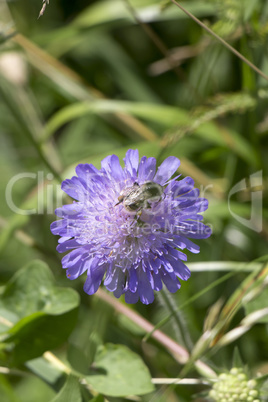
<point>121,372</point>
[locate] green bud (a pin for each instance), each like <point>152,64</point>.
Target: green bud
<point>234,387</point>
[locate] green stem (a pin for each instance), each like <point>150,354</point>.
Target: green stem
<point>192,299</point>
<point>177,318</point>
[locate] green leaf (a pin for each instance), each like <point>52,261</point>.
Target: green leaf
<point>70,392</point>
<point>43,315</point>
<point>121,372</point>
<point>46,371</point>
<point>79,359</point>
<point>98,398</point>
<point>32,290</point>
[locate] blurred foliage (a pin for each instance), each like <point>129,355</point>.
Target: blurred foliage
<point>92,78</point>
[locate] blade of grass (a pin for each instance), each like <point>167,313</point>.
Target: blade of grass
<point>160,45</point>
<point>234,267</point>
<point>214,338</point>
<point>69,81</point>
<point>227,45</point>
<point>234,302</point>
<point>25,116</point>
<point>158,113</point>
<point>186,123</point>
<point>199,122</point>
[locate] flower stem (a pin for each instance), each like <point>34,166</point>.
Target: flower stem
<point>179,353</point>
<point>176,315</point>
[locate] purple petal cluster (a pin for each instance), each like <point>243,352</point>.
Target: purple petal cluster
<point>134,252</point>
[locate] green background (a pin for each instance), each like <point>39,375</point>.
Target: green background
<point>92,78</point>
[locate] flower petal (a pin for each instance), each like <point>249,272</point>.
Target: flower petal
<point>132,283</point>
<point>181,270</point>
<point>157,282</point>
<point>201,204</point>
<point>113,168</point>
<point>111,280</point>
<point>131,298</point>
<point>68,245</point>
<point>147,169</point>
<point>182,186</point>
<point>70,210</point>
<point>120,283</point>
<point>132,162</point>
<point>166,170</point>
<point>94,277</point>
<point>77,269</point>
<point>57,226</point>
<point>145,291</point>
<point>171,284</point>
<point>86,171</point>
<point>74,188</point>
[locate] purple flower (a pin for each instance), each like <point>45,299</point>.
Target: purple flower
<point>129,226</point>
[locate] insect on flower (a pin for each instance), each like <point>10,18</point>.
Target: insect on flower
<point>139,197</point>
<point>103,237</point>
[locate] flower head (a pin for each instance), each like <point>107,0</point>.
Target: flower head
<point>128,225</point>
<point>235,386</point>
